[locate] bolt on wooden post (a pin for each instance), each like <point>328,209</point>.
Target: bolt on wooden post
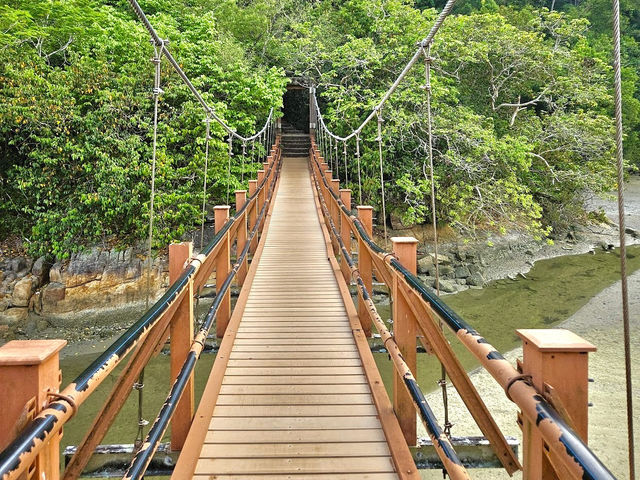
<point>404,332</point>
<point>223,267</point>
<point>29,372</point>
<point>558,362</point>
<point>365,215</point>
<point>345,232</point>
<point>241,199</point>
<point>181,329</point>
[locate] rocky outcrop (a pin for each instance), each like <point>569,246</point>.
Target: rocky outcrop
<point>87,281</point>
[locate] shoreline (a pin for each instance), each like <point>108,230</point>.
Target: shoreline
<point>599,322</point>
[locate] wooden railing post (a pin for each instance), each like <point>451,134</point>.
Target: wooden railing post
<point>558,363</point>
<point>365,215</point>
<point>29,372</point>
<point>345,231</point>
<point>223,266</point>
<point>404,332</point>
<point>181,329</point>
<point>335,209</point>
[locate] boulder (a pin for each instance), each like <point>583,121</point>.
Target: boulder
<point>16,314</point>
<point>461,281</point>
<point>462,272</point>
<point>448,286</point>
<point>424,264</point>
<point>442,259</point>
<point>476,280</point>
<point>52,294</point>
<point>427,280</point>
<point>22,291</point>
<point>55,273</point>
<point>473,268</point>
<point>41,268</point>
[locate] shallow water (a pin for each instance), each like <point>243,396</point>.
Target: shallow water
<point>552,291</point>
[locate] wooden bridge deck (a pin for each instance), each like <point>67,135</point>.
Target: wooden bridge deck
<point>294,400</point>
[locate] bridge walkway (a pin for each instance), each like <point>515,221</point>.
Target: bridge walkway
<point>290,395</point>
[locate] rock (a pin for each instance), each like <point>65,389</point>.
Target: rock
<point>447,286</point>
<point>55,273</point>
<point>462,272</point>
<point>16,314</point>
<point>22,291</point>
<point>446,271</point>
<point>41,268</point>
<point>1,276</point>
<point>52,294</point>
<point>476,280</point>
<point>428,281</point>
<point>424,264</point>
<point>442,259</point>
<point>19,264</point>
<point>461,281</point>
<point>473,268</point>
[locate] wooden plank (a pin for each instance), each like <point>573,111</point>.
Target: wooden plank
<point>293,355</point>
<point>290,335</point>
<point>295,436</point>
<point>250,466</point>
<point>296,399</point>
<point>295,348</point>
<point>293,379</point>
<point>293,450</point>
<point>292,371</point>
<point>316,362</point>
<point>294,341</point>
<point>293,389</point>
<point>313,476</point>
<point>299,411</point>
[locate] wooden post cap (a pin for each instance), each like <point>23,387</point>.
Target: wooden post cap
<point>555,340</point>
<point>29,352</point>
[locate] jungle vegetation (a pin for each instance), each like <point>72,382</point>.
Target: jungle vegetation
<point>522,108</point>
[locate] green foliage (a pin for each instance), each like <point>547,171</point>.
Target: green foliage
<point>521,108</point>
<point>76,121</point>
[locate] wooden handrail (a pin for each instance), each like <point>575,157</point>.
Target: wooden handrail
<point>571,455</point>
<point>24,449</point>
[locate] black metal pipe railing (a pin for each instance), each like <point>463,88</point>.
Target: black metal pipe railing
<point>517,387</point>
<point>144,456</point>
<point>29,442</point>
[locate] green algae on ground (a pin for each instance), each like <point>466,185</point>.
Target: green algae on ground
<point>551,292</point>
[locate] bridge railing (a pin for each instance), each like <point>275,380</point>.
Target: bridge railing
<point>553,405</point>
<point>30,451</point>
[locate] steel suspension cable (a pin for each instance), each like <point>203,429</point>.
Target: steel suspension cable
<point>426,41</point>
<point>337,159</point>
<point>384,207</point>
<point>346,172</point>
<point>622,233</point>
<point>176,66</point>
<point>359,174</point>
<point>206,168</point>
<point>229,167</point>
<point>443,372</point>
<point>244,153</point>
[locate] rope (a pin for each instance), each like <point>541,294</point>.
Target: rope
<point>427,41</point>
<point>157,91</point>
<point>359,175</point>
<point>229,167</point>
<point>204,188</point>
<point>443,372</point>
<point>384,207</point>
<point>244,153</point>
<point>621,223</point>
<point>337,170</point>
<point>346,172</point>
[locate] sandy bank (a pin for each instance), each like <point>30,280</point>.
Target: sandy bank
<point>600,322</point>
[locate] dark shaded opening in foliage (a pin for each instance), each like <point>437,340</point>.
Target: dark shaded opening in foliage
<point>296,108</point>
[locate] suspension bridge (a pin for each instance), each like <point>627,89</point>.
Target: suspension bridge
<point>295,391</point>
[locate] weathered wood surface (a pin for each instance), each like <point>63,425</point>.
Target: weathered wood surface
<point>294,400</point>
